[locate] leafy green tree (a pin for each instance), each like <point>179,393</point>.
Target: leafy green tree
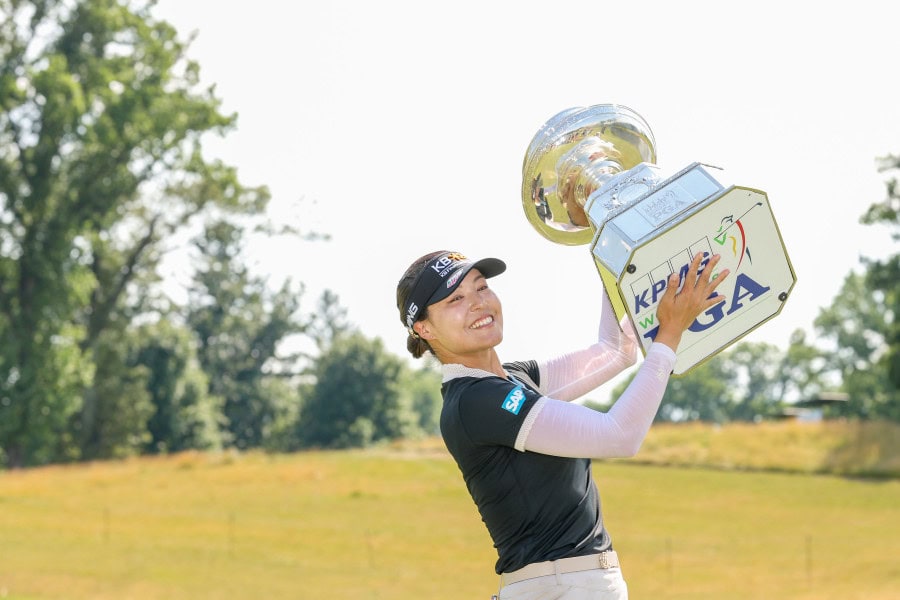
<point>704,394</point>
<point>355,399</point>
<point>754,368</point>
<point>421,390</point>
<point>185,415</point>
<point>329,321</point>
<point>117,404</point>
<point>803,371</point>
<point>747,382</point>
<point>884,275</point>
<point>240,326</point>
<point>856,324</point>
<point>101,119</point>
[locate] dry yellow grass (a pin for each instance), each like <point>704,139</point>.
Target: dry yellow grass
<point>397,523</point>
<point>842,448</point>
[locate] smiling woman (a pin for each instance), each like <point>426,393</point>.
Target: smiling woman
<point>461,319</point>
<point>523,448</point>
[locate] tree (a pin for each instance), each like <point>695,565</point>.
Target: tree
<point>355,399</point>
<point>116,404</point>
<point>747,382</point>
<point>803,371</point>
<point>421,391</point>
<point>704,394</point>
<point>240,326</point>
<point>329,321</point>
<point>185,415</point>
<point>754,369</point>
<point>101,122</point>
<point>884,275</point>
<point>856,324</point>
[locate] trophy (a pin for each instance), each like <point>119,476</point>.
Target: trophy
<point>590,177</point>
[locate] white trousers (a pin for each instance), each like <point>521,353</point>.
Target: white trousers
<point>595,584</point>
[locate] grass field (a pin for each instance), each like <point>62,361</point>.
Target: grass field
<point>397,523</point>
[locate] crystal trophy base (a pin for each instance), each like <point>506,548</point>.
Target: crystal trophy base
<point>660,231</point>
<point>590,177</point>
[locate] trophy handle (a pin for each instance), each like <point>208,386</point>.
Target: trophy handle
<point>574,154</point>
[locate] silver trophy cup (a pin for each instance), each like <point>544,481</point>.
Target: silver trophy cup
<point>589,177</point>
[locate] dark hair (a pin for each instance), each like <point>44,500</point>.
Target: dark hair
<point>414,344</point>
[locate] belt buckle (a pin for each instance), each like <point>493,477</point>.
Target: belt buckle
<point>604,560</point>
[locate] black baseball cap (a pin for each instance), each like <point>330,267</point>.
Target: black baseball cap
<point>441,276</point>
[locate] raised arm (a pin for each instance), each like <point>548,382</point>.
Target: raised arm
<point>566,429</point>
<point>575,374</point>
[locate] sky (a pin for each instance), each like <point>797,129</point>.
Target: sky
<point>398,128</point>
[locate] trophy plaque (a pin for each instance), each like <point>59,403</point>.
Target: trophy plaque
<point>590,177</point>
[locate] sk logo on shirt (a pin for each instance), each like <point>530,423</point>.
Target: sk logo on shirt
<point>514,400</point>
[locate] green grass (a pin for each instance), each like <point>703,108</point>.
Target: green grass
<point>398,523</point>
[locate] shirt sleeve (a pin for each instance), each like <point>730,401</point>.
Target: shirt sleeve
<point>494,411</point>
<point>575,374</point>
<point>575,431</point>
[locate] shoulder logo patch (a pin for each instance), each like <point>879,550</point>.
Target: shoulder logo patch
<point>514,400</point>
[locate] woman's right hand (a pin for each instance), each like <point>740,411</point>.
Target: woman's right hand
<point>678,309</point>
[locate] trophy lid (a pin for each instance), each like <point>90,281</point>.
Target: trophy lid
<point>571,156</point>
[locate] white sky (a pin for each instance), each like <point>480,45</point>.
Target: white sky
<point>400,127</point>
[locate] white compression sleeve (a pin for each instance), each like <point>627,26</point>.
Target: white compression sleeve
<point>574,431</point>
<point>573,375</point>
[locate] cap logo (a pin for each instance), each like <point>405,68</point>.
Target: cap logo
<point>454,278</point>
<point>443,264</point>
<point>411,314</point>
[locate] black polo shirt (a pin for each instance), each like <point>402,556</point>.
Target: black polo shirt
<point>536,507</point>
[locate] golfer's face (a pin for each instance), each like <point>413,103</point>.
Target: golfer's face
<point>469,319</point>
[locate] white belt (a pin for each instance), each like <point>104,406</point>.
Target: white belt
<point>604,560</point>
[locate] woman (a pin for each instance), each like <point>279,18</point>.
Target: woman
<point>523,449</point>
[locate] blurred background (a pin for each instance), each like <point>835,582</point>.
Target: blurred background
<point>205,208</point>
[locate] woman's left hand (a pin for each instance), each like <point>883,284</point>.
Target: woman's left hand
<point>678,309</point>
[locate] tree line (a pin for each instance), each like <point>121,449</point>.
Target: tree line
<point>102,119</point>
<point>102,123</point>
